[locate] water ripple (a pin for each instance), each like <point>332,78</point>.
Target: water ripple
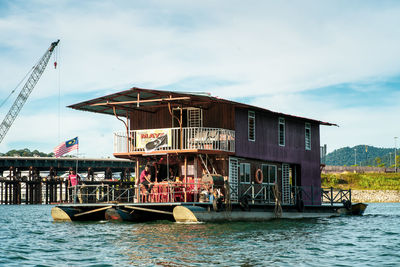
<point>29,237</point>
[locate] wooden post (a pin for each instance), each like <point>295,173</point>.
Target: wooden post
<point>60,191</point>
<point>1,193</point>
<point>47,192</point>
<point>10,195</point>
<point>180,126</point>
<point>31,191</point>
<point>66,192</point>
<point>51,189</point>
<point>185,176</point>
<point>6,193</point>
<point>19,193</point>
<point>27,192</point>
<point>350,195</point>
<point>55,191</point>
<point>36,188</point>
<point>137,182</point>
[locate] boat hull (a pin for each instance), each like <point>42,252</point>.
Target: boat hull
<point>201,214</point>
<point>115,212</point>
<point>195,212</point>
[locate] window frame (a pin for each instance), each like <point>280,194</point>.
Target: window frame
<point>281,121</point>
<point>187,122</point>
<point>251,115</point>
<point>266,177</point>
<point>307,145</point>
<point>246,166</point>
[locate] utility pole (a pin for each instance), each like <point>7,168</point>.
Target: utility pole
<point>395,153</point>
<point>355,157</point>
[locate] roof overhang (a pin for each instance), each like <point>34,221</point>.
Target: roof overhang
<point>142,99</point>
<point>149,100</point>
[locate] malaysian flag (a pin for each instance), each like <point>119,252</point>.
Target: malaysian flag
<point>66,147</point>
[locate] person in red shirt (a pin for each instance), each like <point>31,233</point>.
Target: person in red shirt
<point>73,181</point>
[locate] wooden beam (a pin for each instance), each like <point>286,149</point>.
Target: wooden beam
<point>176,151</point>
<point>141,101</point>
<point>126,108</point>
<point>149,210</point>
<point>91,211</point>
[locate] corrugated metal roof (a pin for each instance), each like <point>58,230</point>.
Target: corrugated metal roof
<point>106,103</point>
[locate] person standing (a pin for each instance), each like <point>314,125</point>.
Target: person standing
<point>73,181</point>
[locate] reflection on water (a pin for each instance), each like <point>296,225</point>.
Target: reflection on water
<point>221,243</point>
<point>30,237</point>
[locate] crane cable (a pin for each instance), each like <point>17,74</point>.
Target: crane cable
<point>56,58</point>
<point>23,79</point>
<point>12,92</point>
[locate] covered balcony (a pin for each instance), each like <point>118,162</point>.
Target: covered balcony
<point>186,139</point>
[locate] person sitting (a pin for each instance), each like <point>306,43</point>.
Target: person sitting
<point>145,179</point>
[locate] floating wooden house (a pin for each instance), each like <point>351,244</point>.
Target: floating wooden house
<point>215,158</point>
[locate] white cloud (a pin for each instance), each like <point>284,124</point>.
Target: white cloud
<point>95,132</point>
<point>265,48</point>
<point>370,125</point>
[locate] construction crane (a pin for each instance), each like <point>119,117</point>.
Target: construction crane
<point>26,91</point>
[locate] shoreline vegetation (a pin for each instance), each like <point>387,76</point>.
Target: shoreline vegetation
<point>366,187</point>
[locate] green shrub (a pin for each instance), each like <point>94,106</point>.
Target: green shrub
<point>376,181</point>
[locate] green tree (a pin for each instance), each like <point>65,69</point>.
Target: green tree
<point>378,161</point>
<point>26,153</point>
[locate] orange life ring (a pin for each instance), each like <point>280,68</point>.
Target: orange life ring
<point>259,177</point>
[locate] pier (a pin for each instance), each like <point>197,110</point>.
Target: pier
<point>43,180</point>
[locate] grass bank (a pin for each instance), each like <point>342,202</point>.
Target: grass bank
<point>362,181</point>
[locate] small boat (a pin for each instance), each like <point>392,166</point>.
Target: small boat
<point>352,209</point>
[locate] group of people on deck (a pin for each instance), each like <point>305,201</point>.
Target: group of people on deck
<point>146,180</point>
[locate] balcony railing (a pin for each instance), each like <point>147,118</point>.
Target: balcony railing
<point>190,138</point>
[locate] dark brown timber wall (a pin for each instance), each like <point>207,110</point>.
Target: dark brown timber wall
<point>214,116</point>
<point>219,116</point>
<point>141,120</point>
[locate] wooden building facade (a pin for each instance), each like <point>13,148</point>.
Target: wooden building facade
<point>188,135</point>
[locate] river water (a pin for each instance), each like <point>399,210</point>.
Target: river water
<point>29,237</point>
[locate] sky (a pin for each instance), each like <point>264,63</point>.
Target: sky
<point>334,61</point>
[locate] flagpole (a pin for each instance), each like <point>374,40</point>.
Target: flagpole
<point>77,153</point>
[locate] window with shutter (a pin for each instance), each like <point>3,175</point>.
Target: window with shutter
<point>252,126</point>
<point>308,137</point>
<point>281,132</point>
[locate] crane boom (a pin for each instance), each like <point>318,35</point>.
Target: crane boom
<point>26,91</point>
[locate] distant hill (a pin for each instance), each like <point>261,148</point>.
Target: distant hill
<point>26,153</point>
<point>362,156</point>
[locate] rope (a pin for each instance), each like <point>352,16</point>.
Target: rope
<point>228,202</point>
<point>59,95</point>
<point>278,207</point>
